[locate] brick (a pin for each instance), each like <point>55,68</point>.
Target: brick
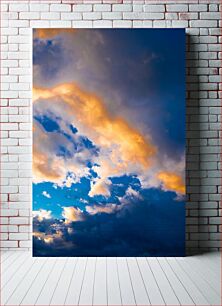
<point>9,173</point>
<point>39,7</point>
<point>82,23</point>
<point>203,23</point>
<point>9,63</point>
<point>4,7</point>
<point>208,205</point>
<point>9,244</point>
<point>102,23</point>
<point>4,220</point>
<point>187,16</point>
<point>51,16</point>
<point>18,149</point>
<point>112,15</point>
<point>9,126</point>
<point>213,7</point>
<point>102,7</point>
<point>215,236</point>
<point>180,23</point>
<point>70,16</point>
<point>199,236</point>
<point>19,71</point>
<point>29,15</point>
<point>39,24</point>
<point>207,15</point>
<point>60,7</point>
<point>154,8</point>
<point>177,8</point>
<point>19,118</point>
<point>18,236</point>
<point>9,166</point>
<point>92,15</point>
<point>147,24</point>
<point>122,23</point>
<point>162,23</point>
<point>13,228</point>
<point>24,229</point>
<point>9,31</point>
<point>122,7</point>
<point>18,220</point>
<point>18,23</point>
<point>172,16</point>
<point>9,212</point>
<point>82,8</point>
<point>135,15</point>
<point>18,7</point>
<point>208,212</point>
<point>60,24</point>
<point>197,7</point>
<point>25,244</point>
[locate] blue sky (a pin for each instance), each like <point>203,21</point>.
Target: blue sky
<point>109,142</point>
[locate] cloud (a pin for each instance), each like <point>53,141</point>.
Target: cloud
<point>98,118</point>
<point>143,227</point>
<point>51,33</point>
<point>100,187</point>
<point>72,214</point>
<point>108,209</point>
<point>130,192</point>
<point>42,214</point>
<point>55,159</point>
<point>46,194</point>
<point>123,148</point>
<point>91,113</point>
<point>171,181</point>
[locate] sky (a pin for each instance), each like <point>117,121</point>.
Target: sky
<point>109,142</point>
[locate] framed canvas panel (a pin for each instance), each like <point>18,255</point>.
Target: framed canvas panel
<point>108,142</point>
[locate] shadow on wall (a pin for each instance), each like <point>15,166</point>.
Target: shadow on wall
<point>193,142</point>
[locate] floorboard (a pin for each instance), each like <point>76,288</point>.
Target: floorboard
<point>100,283</point>
<point>127,292</point>
<point>61,290</point>
<point>48,290</point>
<point>168,292</point>
<point>208,292</point>
<point>86,294</point>
<point>194,280</point>
<point>113,284</point>
<point>153,290</point>
<point>186,279</point>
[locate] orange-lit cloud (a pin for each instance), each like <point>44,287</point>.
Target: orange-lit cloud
<point>91,113</point>
<point>51,33</point>
<point>47,238</point>
<point>123,149</point>
<point>72,214</point>
<point>42,214</point>
<point>172,181</point>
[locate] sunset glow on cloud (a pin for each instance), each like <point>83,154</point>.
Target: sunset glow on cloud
<point>108,143</point>
<point>131,148</point>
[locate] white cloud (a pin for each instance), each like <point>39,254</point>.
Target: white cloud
<point>42,214</point>
<point>46,194</point>
<point>72,214</point>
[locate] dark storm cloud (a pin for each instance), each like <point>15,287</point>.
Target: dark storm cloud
<point>149,227</point>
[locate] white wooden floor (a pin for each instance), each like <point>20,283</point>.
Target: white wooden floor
<point>110,281</point>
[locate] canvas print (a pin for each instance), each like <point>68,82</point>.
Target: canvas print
<point>108,142</point>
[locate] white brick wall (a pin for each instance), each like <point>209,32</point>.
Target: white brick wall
<point>201,19</point>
